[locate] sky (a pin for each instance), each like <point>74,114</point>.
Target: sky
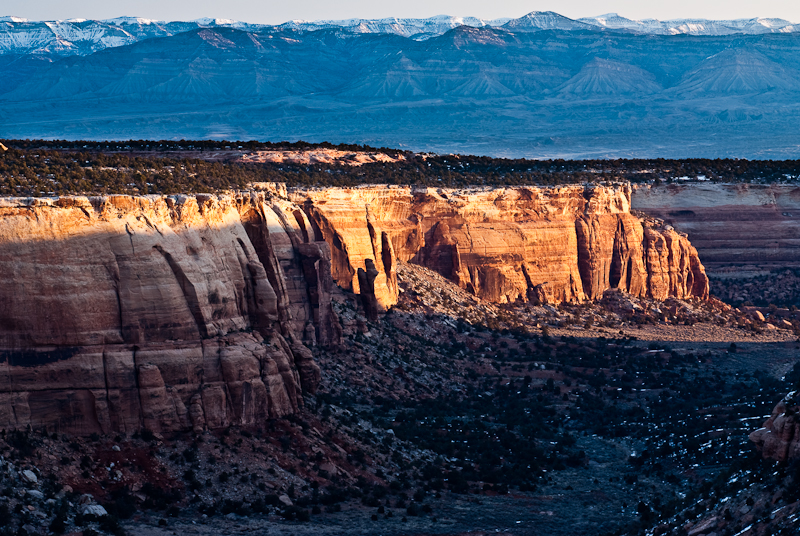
<point>277,11</point>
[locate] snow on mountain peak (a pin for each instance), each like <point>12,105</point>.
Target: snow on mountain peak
<point>130,20</point>
<point>80,36</point>
<point>545,20</point>
<point>613,21</point>
<point>206,21</point>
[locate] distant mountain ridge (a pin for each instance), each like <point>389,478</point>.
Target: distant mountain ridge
<point>537,86</point>
<point>754,26</point>
<point>80,37</point>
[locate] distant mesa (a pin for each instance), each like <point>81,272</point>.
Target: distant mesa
<point>401,77</point>
<point>736,71</point>
<point>482,84</point>
<point>608,77</point>
<point>601,87</point>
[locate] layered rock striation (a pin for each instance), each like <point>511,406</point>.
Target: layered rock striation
<point>504,245</point>
<point>198,312</point>
<point>738,229</point>
<point>168,313</point>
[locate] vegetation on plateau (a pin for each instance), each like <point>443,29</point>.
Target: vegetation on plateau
<point>46,168</point>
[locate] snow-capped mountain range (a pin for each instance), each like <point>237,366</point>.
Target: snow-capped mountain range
<point>80,37</point>
<point>613,21</point>
<point>541,85</point>
<point>416,28</point>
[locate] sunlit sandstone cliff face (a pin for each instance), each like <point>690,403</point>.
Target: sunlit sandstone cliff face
<point>192,312</point>
<point>161,312</point>
<point>508,244</point>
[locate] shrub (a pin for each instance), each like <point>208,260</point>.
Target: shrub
<point>295,513</point>
<point>111,524</point>
<point>58,525</point>
<point>123,505</point>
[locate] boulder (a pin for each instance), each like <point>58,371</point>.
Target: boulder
<point>94,510</point>
<point>779,439</point>
<point>29,476</point>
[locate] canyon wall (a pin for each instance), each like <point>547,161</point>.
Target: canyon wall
<point>736,228</point>
<point>504,244</point>
<point>197,312</point>
<point>169,313</point>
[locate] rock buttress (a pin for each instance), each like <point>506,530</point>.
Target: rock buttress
<point>169,313</point>
<point>557,244</point>
<point>779,439</point>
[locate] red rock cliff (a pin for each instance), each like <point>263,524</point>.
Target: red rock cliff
<point>198,312</point>
<point>507,244</point>
<point>779,439</point>
<point>737,228</point>
<point>168,313</point>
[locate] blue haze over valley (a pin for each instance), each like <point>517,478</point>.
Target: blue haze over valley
<point>540,86</point>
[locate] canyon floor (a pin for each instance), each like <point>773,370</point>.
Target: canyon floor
<point>451,415</point>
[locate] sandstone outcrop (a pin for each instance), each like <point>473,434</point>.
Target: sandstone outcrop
<point>779,439</point>
<point>320,156</point>
<point>169,313</point>
<point>195,312</point>
<point>506,244</point>
<point>349,220</point>
<point>738,229</point>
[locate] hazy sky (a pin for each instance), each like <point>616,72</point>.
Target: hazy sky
<point>277,11</point>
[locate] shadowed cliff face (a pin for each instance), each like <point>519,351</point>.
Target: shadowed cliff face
<point>193,312</point>
<point>168,313</point>
<point>507,244</point>
<point>738,228</point>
